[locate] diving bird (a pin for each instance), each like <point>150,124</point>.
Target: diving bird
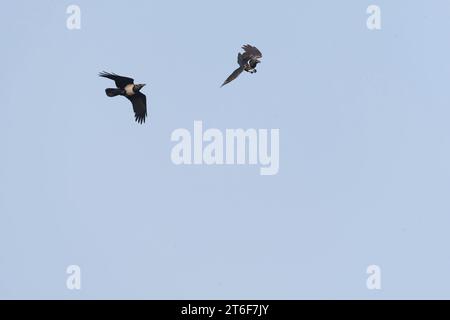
<point>127,88</point>
<point>247,62</point>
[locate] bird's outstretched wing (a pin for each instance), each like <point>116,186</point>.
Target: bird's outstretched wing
<point>139,101</point>
<point>234,75</point>
<point>252,52</point>
<point>120,81</point>
<point>240,59</point>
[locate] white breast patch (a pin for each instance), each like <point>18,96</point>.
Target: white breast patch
<point>129,89</point>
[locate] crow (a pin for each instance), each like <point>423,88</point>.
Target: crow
<point>127,88</point>
<point>247,62</point>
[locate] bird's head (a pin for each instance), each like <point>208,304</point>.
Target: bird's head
<point>253,63</point>
<point>138,87</point>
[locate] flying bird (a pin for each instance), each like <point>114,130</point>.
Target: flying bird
<point>127,88</point>
<point>247,62</point>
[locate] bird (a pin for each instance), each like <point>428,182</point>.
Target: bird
<point>247,62</point>
<point>127,88</point>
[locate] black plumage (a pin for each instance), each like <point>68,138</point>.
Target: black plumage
<point>247,62</point>
<point>127,88</point>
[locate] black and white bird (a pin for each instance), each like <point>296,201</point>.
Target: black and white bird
<point>247,62</point>
<point>127,88</point>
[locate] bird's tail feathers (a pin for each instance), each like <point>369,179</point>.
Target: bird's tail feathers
<point>110,92</point>
<point>233,76</point>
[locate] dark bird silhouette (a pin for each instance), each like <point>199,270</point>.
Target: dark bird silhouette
<point>127,88</point>
<point>247,62</point>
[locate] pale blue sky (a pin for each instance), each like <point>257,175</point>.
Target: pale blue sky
<point>364,151</point>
